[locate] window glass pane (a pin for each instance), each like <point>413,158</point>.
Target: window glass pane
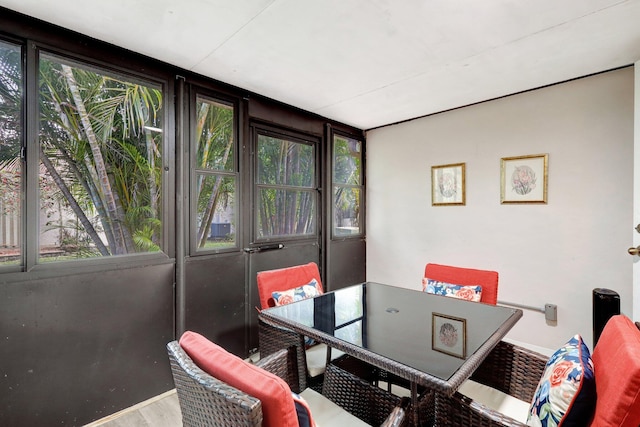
<point>282,162</point>
<point>216,212</point>
<point>286,212</point>
<point>346,212</point>
<point>10,146</point>
<point>100,171</point>
<point>347,186</point>
<point>215,138</point>
<point>347,161</point>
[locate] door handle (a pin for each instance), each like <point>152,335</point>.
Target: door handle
<point>634,251</point>
<point>263,248</point>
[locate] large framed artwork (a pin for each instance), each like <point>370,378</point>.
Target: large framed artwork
<point>448,184</point>
<point>524,179</point>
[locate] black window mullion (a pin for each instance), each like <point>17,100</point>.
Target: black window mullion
<point>31,208</point>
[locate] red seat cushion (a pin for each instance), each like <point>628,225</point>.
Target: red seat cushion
<point>467,277</point>
<point>616,361</point>
<point>284,279</point>
<point>278,408</point>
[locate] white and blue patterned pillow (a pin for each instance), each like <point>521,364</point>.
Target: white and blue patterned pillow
<point>309,290</point>
<point>469,293</point>
<point>300,293</point>
<point>567,391</point>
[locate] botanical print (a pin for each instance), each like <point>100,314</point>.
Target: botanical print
<point>447,184</point>
<point>523,180</point>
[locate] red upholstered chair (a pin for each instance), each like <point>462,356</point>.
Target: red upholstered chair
<point>466,277</point>
<point>283,279</point>
<point>516,372</point>
<point>311,360</point>
<point>217,388</point>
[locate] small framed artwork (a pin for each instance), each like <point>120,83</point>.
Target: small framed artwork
<point>449,335</point>
<point>524,179</point>
<point>448,184</point>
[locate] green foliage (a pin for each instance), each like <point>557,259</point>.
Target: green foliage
<point>98,135</point>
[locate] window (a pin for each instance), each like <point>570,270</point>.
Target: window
<point>215,175</point>
<point>347,186</point>
<point>100,151</point>
<point>11,82</point>
<point>285,187</point>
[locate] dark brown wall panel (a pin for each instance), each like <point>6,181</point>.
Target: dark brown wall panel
<point>346,263</point>
<point>215,299</point>
<point>77,348</point>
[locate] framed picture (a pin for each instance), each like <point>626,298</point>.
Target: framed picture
<point>448,185</point>
<point>524,179</point>
<point>449,335</point>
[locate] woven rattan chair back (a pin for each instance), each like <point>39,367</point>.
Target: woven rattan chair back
<point>207,401</point>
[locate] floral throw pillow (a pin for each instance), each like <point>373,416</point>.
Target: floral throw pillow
<point>309,290</point>
<point>469,293</point>
<point>566,392</point>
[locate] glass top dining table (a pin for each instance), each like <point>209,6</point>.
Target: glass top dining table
<point>431,340</point>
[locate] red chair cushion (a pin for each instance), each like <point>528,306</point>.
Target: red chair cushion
<point>467,277</point>
<point>278,408</point>
<point>616,361</point>
<point>284,279</point>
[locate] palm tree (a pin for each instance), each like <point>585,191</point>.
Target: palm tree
<point>286,188</point>
<point>214,153</point>
<point>95,133</point>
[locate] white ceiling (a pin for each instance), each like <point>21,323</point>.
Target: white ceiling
<point>366,63</point>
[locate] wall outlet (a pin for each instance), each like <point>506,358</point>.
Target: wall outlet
<point>551,312</point>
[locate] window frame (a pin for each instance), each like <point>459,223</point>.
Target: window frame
<point>214,97</point>
<point>260,129</point>
<point>19,266</point>
<point>333,185</point>
<point>30,256</point>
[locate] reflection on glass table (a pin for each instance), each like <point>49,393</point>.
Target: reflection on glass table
<point>392,328</point>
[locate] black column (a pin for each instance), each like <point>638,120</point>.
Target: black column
<point>606,303</point>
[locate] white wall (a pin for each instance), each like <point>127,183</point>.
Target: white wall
<point>554,253</point>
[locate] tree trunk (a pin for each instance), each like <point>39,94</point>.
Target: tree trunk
<point>74,204</point>
<point>105,186</point>
<point>87,179</point>
<point>211,206</point>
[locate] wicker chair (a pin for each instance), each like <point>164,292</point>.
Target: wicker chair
<point>272,338</point>
<point>207,401</point>
<point>516,371</point>
<point>510,369</point>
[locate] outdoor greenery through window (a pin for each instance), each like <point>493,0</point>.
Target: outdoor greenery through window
<point>285,185</point>
<point>347,186</point>
<point>100,163</point>
<point>10,146</point>
<point>216,175</point>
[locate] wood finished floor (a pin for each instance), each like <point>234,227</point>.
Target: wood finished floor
<point>160,411</point>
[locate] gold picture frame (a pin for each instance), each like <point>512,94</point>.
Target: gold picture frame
<point>524,179</point>
<point>449,335</point>
<point>448,185</point>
